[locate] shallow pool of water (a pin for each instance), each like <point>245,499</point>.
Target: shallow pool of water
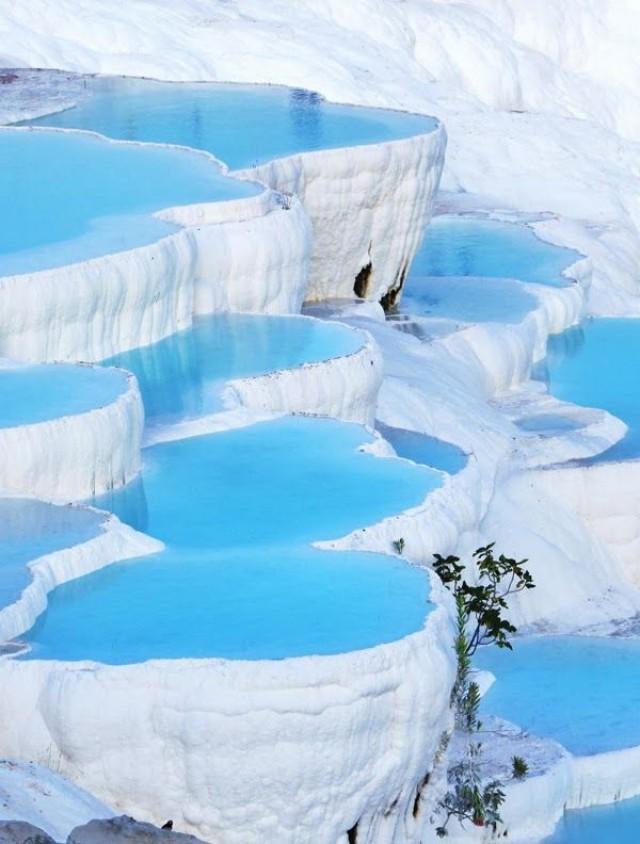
<point>425,450</point>
<point>467,300</point>
<point>617,823</point>
<point>456,245</point>
<point>67,197</point>
<point>43,392</point>
<point>238,578</point>
<point>30,529</point>
<point>243,125</point>
<point>583,692</point>
<point>182,376</point>
<point>596,365</point>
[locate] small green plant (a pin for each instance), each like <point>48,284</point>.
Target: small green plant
<point>479,621</point>
<point>519,768</point>
<point>398,544</point>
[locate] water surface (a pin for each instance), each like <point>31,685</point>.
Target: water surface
<point>244,125</point>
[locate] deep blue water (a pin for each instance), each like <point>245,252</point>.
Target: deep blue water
<point>30,529</point>
<point>67,197</point>
<point>182,375</point>
<point>425,450</point>
<point>470,246</point>
<point>467,299</point>
<point>47,391</point>
<point>243,125</point>
<point>618,823</point>
<point>583,692</point>
<point>238,578</point>
<point>596,365</point>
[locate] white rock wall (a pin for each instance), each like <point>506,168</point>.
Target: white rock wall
<point>291,751</point>
<point>78,456</point>
<point>343,387</point>
<point>368,205</point>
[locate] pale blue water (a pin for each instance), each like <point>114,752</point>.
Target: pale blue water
<point>467,300</point>
<point>469,246</point>
<point>67,197</point>
<point>182,375</point>
<point>618,823</point>
<point>47,391</point>
<point>596,365</point>
<point>582,692</point>
<point>238,579</point>
<point>30,529</point>
<point>425,450</point>
<point>242,124</point>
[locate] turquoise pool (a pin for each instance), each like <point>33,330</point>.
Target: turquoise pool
<point>461,245</point>
<point>182,376</point>
<point>467,300</point>
<point>30,529</point>
<point>617,823</point>
<point>43,392</point>
<point>425,450</point>
<point>238,578</point>
<point>595,365</point>
<point>67,197</point>
<point>583,692</point>
<point>244,125</point>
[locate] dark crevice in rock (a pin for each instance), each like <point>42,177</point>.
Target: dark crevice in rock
<point>361,284</point>
<point>419,790</point>
<point>390,298</point>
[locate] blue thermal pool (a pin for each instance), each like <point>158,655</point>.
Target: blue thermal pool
<point>425,450</point>
<point>67,197</point>
<point>238,578</point>
<point>457,245</point>
<point>595,365</point>
<point>617,823</point>
<point>467,299</point>
<point>30,529</point>
<point>182,376</point>
<point>582,692</point>
<point>244,125</point>
<point>42,392</point>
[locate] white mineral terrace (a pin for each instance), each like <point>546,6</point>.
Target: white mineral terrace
<point>535,109</point>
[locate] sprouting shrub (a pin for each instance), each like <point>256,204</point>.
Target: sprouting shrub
<point>479,621</point>
<point>519,768</point>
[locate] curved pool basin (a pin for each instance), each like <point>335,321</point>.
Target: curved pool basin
<point>423,449</point>
<point>462,245</point>
<point>467,300</point>
<point>595,365</point>
<point>30,529</point>
<point>617,823</point>
<point>67,197</point>
<point>43,392</point>
<point>238,578</point>
<point>584,692</point>
<point>182,376</point>
<point>268,604</point>
<point>244,125</point>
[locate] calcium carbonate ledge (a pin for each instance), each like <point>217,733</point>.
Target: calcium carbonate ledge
<point>344,387</point>
<point>246,254</point>
<point>290,750</point>
<point>74,457</point>
<point>606,496</point>
<point>115,542</point>
<point>369,206</point>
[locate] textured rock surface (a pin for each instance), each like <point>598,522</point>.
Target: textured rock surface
<point>125,829</point>
<point>21,832</point>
